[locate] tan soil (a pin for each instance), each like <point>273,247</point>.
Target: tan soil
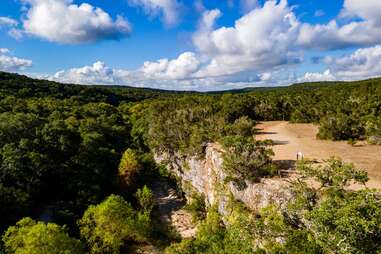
<point>292,138</point>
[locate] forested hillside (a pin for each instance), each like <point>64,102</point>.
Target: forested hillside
<point>81,156</point>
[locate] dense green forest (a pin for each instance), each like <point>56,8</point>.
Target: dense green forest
<point>75,161</point>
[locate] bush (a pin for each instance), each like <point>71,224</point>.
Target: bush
<point>129,168</point>
<point>29,236</point>
<point>197,207</point>
<point>373,131</point>
<point>107,226</point>
<point>247,159</point>
<point>243,127</point>
<point>340,127</point>
<point>145,198</point>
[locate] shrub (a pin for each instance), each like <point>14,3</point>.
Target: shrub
<point>129,167</point>
<point>29,236</point>
<point>197,206</point>
<point>340,127</point>
<point>373,131</point>
<point>105,227</point>
<point>247,159</point>
<point>145,198</point>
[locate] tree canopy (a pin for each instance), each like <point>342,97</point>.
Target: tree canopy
<point>31,237</point>
<point>107,226</point>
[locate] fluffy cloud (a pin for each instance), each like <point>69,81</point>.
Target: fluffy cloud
<point>183,67</point>
<point>332,36</point>
<point>262,39</point>
<point>363,63</point>
<point>184,73</point>
<point>169,9</point>
<point>96,74</point>
<point>317,76</point>
<point>178,73</point>
<point>364,30</point>
<point>63,22</point>
<point>366,9</point>
<point>11,63</point>
<point>271,37</point>
<point>151,73</point>
<point>4,51</point>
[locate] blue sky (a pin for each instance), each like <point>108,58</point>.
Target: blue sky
<point>191,45</point>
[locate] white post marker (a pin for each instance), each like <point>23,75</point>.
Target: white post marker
<point>299,156</point>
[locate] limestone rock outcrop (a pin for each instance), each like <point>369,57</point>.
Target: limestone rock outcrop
<point>207,177</point>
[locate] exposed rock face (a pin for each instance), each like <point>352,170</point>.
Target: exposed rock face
<point>208,177</point>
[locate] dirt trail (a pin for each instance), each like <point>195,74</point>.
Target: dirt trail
<point>169,207</point>
<point>292,138</point>
<point>169,215</point>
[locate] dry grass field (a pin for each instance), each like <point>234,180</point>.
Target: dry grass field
<point>291,138</point>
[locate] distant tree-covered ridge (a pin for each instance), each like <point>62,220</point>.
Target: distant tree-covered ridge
<point>24,87</point>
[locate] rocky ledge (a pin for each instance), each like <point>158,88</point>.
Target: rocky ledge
<point>207,177</point>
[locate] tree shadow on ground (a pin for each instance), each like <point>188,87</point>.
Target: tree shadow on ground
<point>265,133</point>
<point>280,142</point>
<point>285,164</point>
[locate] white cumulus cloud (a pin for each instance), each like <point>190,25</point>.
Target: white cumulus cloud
<point>362,32</point>
<point>262,39</point>
<point>4,51</point>
<point>96,74</point>
<point>317,76</point>
<point>12,63</point>
<point>181,68</point>
<point>151,73</point>
<point>366,9</point>
<point>362,64</point>
<point>64,22</point>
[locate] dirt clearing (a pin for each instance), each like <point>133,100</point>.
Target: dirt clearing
<point>289,139</point>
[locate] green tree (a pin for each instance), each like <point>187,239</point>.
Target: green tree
<point>324,217</point>
<point>129,167</point>
<point>31,237</point>
<point>106,227</point>
<point>145,198</point>
<point>373,130</point>
<point>246,159</point>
